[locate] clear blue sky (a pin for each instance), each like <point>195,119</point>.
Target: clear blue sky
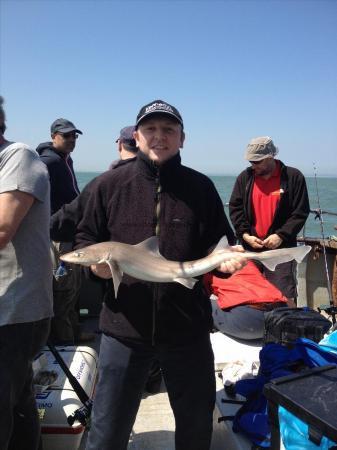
<point>234,69</point>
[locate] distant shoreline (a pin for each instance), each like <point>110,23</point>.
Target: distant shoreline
<point>215,174</point>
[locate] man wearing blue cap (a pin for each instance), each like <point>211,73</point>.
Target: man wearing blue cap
<point>126,146</point>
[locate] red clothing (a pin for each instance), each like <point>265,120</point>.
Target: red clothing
<point>245,287</point>
<point>265,199</point>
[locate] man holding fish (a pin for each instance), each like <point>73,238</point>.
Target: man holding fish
<point>143,320</point>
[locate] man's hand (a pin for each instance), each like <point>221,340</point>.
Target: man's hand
<point>253,241</point>
<point>273,241</point>
<point>101,270</point>
<point>233,264</point>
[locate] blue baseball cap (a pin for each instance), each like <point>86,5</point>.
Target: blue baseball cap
<point>126,135</point>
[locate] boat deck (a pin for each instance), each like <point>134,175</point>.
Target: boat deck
<point>155,424</point>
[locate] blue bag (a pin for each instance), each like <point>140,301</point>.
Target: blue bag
<point>276,361</point>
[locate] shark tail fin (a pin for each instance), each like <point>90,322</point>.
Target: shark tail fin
<point>302,251</point>
<point>285,255</point>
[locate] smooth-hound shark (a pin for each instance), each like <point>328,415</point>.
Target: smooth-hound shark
<point>143,260</point>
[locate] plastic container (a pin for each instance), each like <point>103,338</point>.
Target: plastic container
<point>58,401</point>
<point>311,396</point>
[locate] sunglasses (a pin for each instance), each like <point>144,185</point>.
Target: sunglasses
<point>256,163</point>
<point>69,135</point>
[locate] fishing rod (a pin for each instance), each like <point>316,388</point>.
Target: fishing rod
<point>330,309</point>
<point>321,211</point>
<point>83,413</point>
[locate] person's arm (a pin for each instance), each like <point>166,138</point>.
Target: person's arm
<point>63,223</point>
<point>14,205</point>
<point>299,208</point>
<point>237,212</point>
<point>92,227</point>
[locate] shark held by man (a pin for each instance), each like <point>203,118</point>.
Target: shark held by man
<point>143,260</point>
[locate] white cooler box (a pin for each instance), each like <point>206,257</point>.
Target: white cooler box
<point>59,400</point>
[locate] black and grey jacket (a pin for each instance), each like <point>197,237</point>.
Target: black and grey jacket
<point>63,183</point>
<point>291,213</point>
<point>183,208</point>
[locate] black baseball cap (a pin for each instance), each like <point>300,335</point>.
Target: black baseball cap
<point>159,107</point>
<point>63,126</point>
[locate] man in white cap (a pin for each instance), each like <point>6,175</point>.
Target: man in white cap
<point>268,207</point>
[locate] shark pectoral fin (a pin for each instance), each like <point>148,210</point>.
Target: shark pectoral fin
<point>187,282</point>
<point>221,245</point>
<point>150,245</point>
<point>117,275</point>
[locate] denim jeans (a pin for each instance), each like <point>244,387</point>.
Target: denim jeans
<point>241,322</point>
<point>188,371</point>
<point>19,422</point>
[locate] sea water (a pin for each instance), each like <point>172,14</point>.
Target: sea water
<point>326,199</point>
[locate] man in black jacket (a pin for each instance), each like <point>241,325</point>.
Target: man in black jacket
<point>159,196</point>
<point>65,327</point>
<point>268,207</point>
<point>56,156</point>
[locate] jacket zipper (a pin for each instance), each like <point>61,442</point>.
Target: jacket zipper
<point>157,229</point>
<point>72,175</point>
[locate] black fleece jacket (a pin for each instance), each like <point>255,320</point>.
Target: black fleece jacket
<point>291,212</point>
<point>63,183</point>
<point>133,203</point>
<point>63,223</point>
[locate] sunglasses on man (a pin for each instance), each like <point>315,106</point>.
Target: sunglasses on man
<point>69,135</point>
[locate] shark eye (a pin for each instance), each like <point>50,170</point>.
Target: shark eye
<point>79,254</point>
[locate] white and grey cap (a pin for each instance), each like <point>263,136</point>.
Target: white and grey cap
<point>260,148</point>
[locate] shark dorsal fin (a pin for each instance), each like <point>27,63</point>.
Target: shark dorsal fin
<point>150,245</point>
<point>221,245</point>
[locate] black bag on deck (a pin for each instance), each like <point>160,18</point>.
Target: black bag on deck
<point>284,325</point>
